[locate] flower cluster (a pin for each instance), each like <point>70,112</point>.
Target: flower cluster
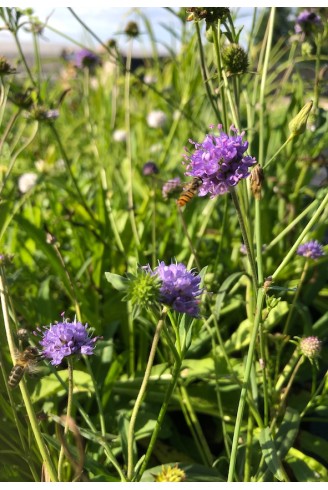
<point>156,119</point>
<point>180,288</point>
<point>312,250</point>
<point>64,339</point>
<point>310,347</point>
<point>307,22</point>
<point>219,161</point>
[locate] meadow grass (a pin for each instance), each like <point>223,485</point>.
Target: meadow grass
<point>227,385</point>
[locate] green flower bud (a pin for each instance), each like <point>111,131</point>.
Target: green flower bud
<point>297,125</point>
<point>210,14</point>
<point>235,59</point>
<point>306,49</point>
<point>132,29</point>
<point>170,474</point>
<point>142,289</point>
<point>5,67</point>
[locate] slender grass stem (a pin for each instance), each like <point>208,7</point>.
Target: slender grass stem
<point>129,148</point>
<point>68,416</point>
<point>243,395</point>
<point>43,450</point>
<point>216,38</point>
<point>307,228</point>
<point>250,255</point>
<point>141,394</point>
<point>204,72</point>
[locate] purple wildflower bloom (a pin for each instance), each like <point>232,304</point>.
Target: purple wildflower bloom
<point>150,168</point>
<point>312,249</point>
<point>65,339</point>
<point>307,22</point>
<point>220,162</point>
<point>170,187</point>
<point>86,58</point>
<point>180,288</point>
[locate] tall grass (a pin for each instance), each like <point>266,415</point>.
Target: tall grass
<point>231,395</point>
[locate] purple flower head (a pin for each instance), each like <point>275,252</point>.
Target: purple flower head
<point>312,250</point>
<point>150,168</point>
<point>219,161</point>
<point>65,339</point>
<point>180,288</point>
<point>85,58</point>
<point>307,22</point>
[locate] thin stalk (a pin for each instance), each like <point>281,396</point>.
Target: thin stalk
<point>216,39</point>
<point>37,59</point>
<point>23,58</point>
<point>291,225</point>
<point>192,248</point>
<point>249,447</point>
<point>131,339</point>
<point>128,146</point>
<point>202,443</point>
<point>306,229</point>
<point>317,73</point>
<point>161,415</point>
<point>263,84</point>
<point>142,392</point>
<point>25,395</point>
<point>243,395</point>
<point>68,416</point>
<point>204,72</point>
<point>314,395</point>
<point>250,254</point>
<point>296,296</point>
<point>277,152</point>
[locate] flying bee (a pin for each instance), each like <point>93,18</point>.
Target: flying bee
<point>25,363</point>
<point>189,191</point>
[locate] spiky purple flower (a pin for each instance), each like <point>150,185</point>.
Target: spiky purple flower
<point>219,161</point>
<point>307,22</point>
<point>180,288</point>
<point>65,339</point>
<point>312,250</point>
<point>85,58</point>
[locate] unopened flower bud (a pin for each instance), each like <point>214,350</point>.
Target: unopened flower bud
<point>297,125</point>
<point>132,29</point>
<point>150,168</point>
<point>310,347</point>
<point>235,59</point>
<point>257,178</point>
<point>5,67</point>
<point>210,14</point>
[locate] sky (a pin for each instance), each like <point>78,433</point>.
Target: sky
<point>107,22</point>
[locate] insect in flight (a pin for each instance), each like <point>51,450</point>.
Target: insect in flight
<point>189,191</point>
<point>25,363</point>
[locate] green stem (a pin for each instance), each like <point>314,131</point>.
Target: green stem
<point>243,395</point>
<point>141,393</point>
<point>25,395</point>
<point>317,73</point>
<point>216,38</point>
<point>204,72</point>
<point>161,415</point>
<point>250,254</point>
<point>201,440</point>
<point>128,147</point>
<point>263,83</point>
<point>306,229</point>
<point>68,416</point>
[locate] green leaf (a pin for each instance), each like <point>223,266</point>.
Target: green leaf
<point>270,454</point>
<point>225,286</point>
<point>118,282</point>
<point>306,468</point>
<point>50,385</point>
<point>287,432</point>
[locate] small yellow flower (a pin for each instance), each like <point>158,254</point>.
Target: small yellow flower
<point>170,474</point>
